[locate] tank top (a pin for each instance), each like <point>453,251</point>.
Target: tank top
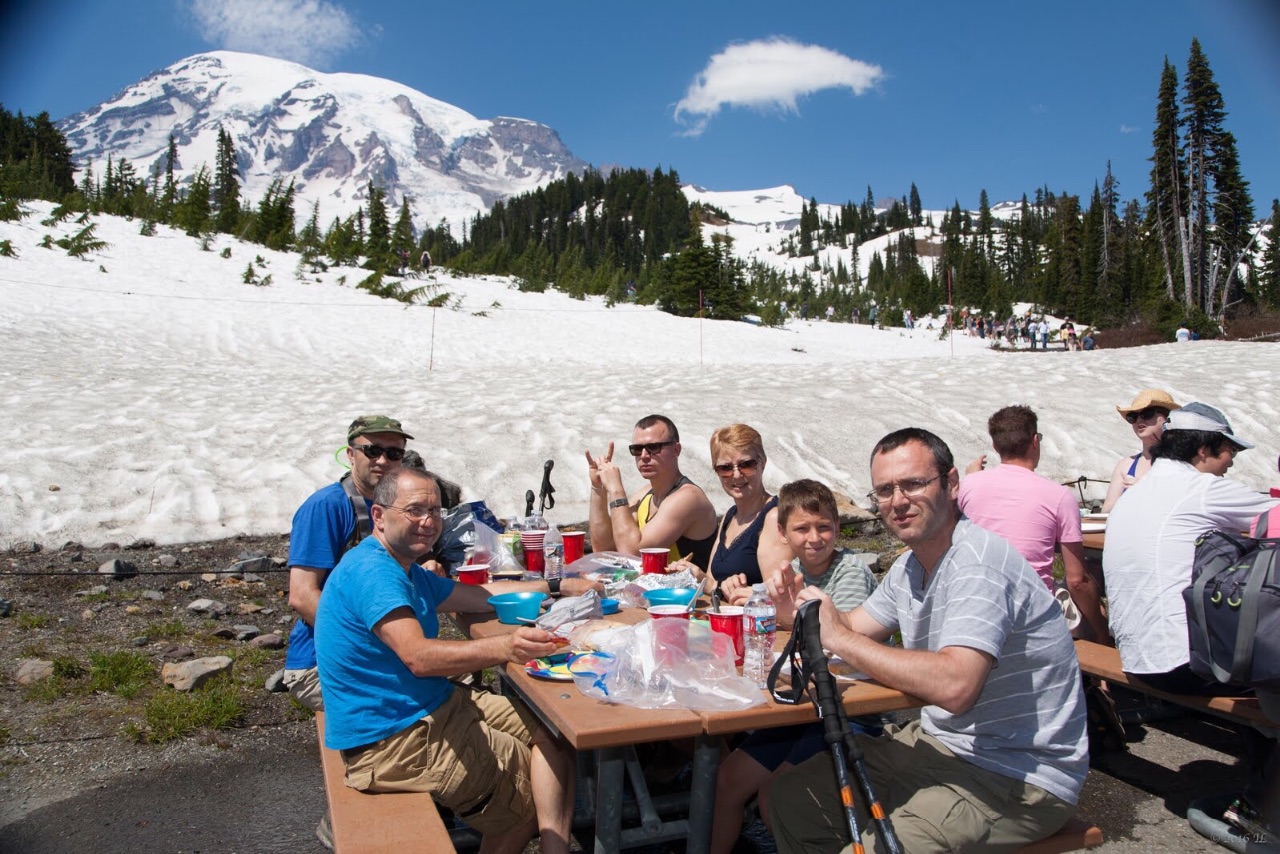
<point>1133,466</point>
<point>698,551</point>
<point>740,557</point>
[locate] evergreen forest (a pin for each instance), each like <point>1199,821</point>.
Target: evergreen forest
<point>1189,248</point>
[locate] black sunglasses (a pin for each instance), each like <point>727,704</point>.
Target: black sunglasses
<point>1145,414</point>
<point>395,455</point>
<point>654,448</point>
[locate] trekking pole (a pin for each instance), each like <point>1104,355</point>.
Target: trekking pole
<point>547,493</point>
<point>844,747</point>
<point>528,503</point>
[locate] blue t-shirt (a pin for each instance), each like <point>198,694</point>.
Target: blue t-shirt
<point>369,693</point>
<point>321,528</point>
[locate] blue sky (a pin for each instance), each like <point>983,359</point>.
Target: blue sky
<point>829,97</point>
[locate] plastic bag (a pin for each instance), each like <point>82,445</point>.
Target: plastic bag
<point>487,543</point>
<point>571,609</point>
<point>672,663</point>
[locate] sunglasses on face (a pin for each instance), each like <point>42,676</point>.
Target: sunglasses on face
<point>741,466</point>
<point>651,448</point>
<point>395,455</point>
<point>1146,414</point>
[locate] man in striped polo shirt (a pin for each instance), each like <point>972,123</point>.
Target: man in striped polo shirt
<point>1000,752</point>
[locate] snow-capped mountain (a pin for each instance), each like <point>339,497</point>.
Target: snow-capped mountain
<point>332,134</point>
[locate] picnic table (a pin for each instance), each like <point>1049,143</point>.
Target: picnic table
<point>613,731</point>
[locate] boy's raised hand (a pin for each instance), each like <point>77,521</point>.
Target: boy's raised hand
<point>783,587</point>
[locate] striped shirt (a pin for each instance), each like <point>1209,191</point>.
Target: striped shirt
<point>1028,722</point>
<point>847,581</point>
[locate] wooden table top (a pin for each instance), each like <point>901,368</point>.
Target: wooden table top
<point>587,723</point>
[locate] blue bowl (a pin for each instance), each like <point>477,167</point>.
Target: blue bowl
<point>511,607</point>
<point>609,606</point>
<point>671,596</point>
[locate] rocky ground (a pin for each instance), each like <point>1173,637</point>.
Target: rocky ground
<point>107,621</point>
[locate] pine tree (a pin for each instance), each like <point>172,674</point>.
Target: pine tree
<point>1269,275</point>
<point>1166,204</point>
<point>169,194</point>
<point>377,245</point>
<point>402,234</point>
<point>917,209</point>
<point>192,213</point>
<point>226,185</point>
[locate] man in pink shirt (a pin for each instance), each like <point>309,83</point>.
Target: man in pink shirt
<point>1032,512</point>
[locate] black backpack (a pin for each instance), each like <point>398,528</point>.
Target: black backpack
<point>1233,607</point>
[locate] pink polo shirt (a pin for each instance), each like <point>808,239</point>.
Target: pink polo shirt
<point>1030,511</point>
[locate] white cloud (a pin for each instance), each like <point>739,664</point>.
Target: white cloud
<point>1127,129</point>
<point>769,74</point>
<point>311,32</point>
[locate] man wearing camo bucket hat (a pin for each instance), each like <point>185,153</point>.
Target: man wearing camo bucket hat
<point>328,523</point>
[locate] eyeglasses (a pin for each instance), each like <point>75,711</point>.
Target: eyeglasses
<point>395,455</point>
<point>1145,414</point>
<point>418,514</point>
<point>908,488</point>
<point>652,448</point>
<point>741,466</point>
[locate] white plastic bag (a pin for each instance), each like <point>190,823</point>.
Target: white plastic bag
<point>672,663</point>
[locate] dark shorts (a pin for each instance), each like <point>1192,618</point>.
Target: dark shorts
<point>795,744</point>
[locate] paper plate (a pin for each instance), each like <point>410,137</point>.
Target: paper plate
<point>552,667</point>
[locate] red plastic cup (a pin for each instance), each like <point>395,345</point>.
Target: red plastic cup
<point>573,545</point>
<point>677,611</point>
<point>534,561</point>
<point>654,561</point>
<point>728,621</point>
<point>474,573</point>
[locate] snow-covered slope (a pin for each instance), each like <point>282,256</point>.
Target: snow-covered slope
<point>332,134</point>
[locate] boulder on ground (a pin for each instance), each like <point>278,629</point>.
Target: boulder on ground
<point>189,675</point>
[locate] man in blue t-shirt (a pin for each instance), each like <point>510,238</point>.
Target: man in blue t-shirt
<point>328,523</point>
<point>999,755</point>
<point>390,708</point>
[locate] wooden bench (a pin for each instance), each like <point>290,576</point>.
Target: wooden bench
<point>400,822</point>
<point>1074,835</point>
<point>1104,662</point>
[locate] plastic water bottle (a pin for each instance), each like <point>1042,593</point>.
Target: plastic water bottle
<point>553,554</point>
<point>759,626</point>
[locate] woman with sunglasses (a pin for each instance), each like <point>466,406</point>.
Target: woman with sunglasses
<point>748,545</point>
<point>1148,414</point>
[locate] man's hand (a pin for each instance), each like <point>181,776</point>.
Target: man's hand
<point>977,465</point>
<point>529,642</point>
<point>828,617</point>
<point>435,567</point>
<point>593,468</point>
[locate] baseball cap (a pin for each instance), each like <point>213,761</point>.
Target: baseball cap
<point>1203,417</point>
<point>374,424</point>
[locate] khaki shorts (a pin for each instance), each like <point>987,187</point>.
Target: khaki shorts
<point>936,801</point>
<point>304,685</point>
<point>471,755</point>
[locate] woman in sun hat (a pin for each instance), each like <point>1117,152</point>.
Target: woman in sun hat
<point>1148,413</point>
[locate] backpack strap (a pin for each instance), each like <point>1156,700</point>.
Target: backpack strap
<point>364,524</point>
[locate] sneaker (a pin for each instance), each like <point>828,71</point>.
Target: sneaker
<point>1241,814</point>
<point>325,833</point>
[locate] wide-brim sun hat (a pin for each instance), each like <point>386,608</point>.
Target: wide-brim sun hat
<point>1150,397</point>
<point>1205,418</point>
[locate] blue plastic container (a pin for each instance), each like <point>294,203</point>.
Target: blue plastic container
<point>671,596</point>
<point>609,606</point>
<point>512,607</point>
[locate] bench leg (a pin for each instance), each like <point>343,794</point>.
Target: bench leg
<point>702,793</point>
<point>610,769</point>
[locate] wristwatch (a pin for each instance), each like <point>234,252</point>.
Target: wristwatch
<point>553,584</point>
<point>619,502</point>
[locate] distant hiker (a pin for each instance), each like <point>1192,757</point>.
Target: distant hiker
<point>424,261</point>
<point>857,315</point>
<point>831,313</point>
<point>1088,341</point>
<point>1183,334</point>
<point>1043,329</point>
<point>804,311</point>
